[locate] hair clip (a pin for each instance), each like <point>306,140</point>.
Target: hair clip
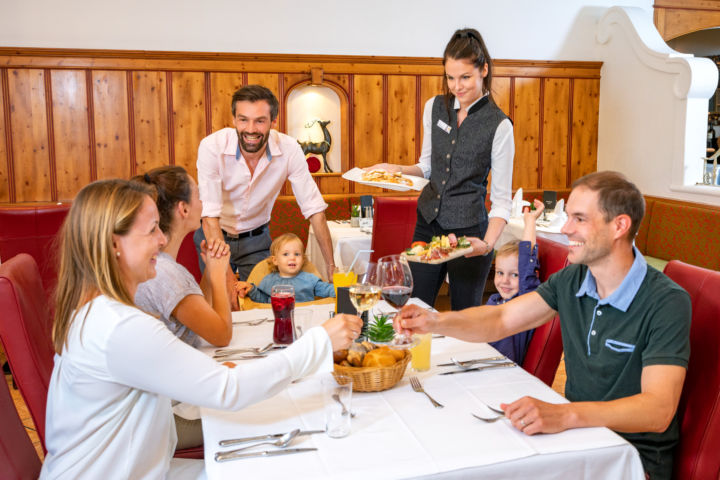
<point>147,179</point>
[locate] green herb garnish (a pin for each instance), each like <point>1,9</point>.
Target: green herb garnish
<point>382,330</point>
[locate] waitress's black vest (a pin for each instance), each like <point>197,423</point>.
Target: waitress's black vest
<point>460,163</point>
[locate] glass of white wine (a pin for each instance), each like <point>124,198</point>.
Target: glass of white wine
<point>364,296</point>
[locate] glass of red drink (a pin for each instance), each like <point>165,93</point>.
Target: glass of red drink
<point>282,299</point>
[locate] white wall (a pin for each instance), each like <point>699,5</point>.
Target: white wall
<point>514,29</point>
<point>638,144</point>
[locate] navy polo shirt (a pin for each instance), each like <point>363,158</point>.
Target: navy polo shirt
<point>607,342</point>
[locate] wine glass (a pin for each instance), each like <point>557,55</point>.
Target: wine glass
<point>365,294</point>
<point>396,280</point>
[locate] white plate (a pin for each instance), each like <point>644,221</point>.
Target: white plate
<point>451,256</point>
<point>355,175</point>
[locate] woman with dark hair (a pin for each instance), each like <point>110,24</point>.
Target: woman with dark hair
<point>466,138</point>
<point>189,310</point>
<point>116,368</point>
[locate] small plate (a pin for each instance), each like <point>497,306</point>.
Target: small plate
<point>355,175</point>
<point>397,346</point>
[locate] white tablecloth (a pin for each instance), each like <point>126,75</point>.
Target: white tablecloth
<point>514,230</point>
<point>398,434</point>
<point>346,242</point>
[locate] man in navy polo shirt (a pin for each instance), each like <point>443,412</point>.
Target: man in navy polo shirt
<point>625,328</point>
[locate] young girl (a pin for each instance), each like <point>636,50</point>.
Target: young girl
<point>286,260</point>
<point>516,273</point>
<point>116,367</point>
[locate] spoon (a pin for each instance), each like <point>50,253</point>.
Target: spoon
<point>345,411</point>
<point>281,442</point>
<point>223,352</point>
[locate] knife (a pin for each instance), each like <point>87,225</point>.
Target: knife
<point>235,441</point>
<point>479,360</point>
<point>477,369</point>
<point>225,456</point>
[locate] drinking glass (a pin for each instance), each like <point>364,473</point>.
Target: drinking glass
<point>395,280</point>
<point>343,277</point>
<point>282,299</point>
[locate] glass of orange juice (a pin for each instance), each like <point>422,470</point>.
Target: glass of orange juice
<point>343,277</point>
<point>420,361</point>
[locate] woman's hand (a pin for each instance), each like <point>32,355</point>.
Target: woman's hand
<point>480,247</point>
<point>342,330</point>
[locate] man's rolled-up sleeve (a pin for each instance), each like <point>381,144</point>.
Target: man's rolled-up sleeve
<point>304,187</point>
<point>209,179</point>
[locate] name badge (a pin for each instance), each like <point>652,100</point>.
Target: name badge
<point>444,126</point>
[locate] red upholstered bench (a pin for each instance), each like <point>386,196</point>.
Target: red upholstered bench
<point>32,230</point>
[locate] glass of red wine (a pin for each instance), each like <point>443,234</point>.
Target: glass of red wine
<point>282,299</point>
<point>395,280</point>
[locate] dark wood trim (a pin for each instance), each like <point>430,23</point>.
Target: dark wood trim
<point>47,78</point>
<point>12,194</point>
<point>91,125</point>
<point>170,117</point>
<point>385,94</point>
<point>351,128</point>
<point>571,103</point>
<point>131,124</point>
<point>281,111</point>
<point>511,104</point>
<point>208,106</point>
<point>541,118</point>
<point>418,114</point>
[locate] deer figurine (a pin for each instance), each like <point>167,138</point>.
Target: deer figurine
<point>319,147</point>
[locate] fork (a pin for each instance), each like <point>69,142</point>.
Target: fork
<point>415,383</point>
<point>488,420</point>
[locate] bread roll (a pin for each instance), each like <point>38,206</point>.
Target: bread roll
<point>380,357</point>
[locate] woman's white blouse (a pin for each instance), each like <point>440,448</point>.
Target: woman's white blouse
<point>108,409</point>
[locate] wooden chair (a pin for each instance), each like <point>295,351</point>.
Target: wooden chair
<point>263,268</point>
<point>696,456</point>
<point>18,459</point>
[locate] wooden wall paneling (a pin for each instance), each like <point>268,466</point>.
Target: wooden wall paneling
<point>368,124</point>
<point>501,94</point>
<point>5,162</point>
<point>402,115</point>
<point>430,86</point>
<point>112,131</point>
<point>70,128</point>
<point>585,107</point>
<point>150,120</point>
<point>526,116</point>
<point>555,133</point>
<point>189,122</point>
<point>273,82</point>
<point>28,113</point>
<point>222,87</point>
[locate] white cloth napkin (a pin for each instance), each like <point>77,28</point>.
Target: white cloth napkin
<point>559,206</point>
<point>518,203</point>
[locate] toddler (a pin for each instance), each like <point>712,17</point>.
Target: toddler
<point>516,273</point>
<point>286,261</point>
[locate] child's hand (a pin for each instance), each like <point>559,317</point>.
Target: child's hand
<point>533,215</point>
<point>242,288</point>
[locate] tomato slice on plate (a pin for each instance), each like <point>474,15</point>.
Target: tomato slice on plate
<point>415,244</point>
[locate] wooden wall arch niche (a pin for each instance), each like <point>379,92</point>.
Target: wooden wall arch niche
<point>338,84</point>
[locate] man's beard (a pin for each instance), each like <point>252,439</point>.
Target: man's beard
<point>253,148</point>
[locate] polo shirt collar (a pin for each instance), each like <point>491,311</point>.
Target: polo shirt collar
<point>475,106</point>
<point>272,149</point>
<point>623,296</point>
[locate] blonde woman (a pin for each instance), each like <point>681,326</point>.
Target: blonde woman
<point>116,367</point>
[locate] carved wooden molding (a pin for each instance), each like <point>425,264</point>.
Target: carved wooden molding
<point>674,18</point>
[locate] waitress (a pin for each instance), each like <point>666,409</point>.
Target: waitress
<point>466,137</point>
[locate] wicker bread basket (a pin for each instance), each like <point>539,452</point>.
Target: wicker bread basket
<point>375,379</point>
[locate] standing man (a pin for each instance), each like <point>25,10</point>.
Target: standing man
<point>240,174</point>
<point>625,328</point>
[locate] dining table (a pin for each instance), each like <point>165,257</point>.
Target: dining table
<point>549,230</point>
<point>347,241</point>
<point>397,433</point>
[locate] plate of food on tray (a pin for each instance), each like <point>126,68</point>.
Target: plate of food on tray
<point>440,249</point>
<point>384,179</point>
